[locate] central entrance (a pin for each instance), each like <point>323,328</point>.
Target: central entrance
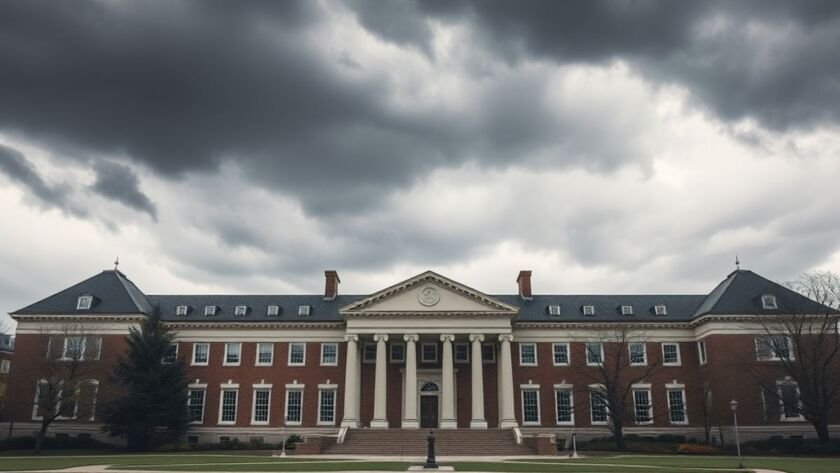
<point>428,411</point>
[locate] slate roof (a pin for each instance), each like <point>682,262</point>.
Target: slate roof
<point>112,291</point>
<point>607,307</point>
<point>320,310</point>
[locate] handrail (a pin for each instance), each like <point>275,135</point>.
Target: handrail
<point>517,435</point>
<point>342,433</point>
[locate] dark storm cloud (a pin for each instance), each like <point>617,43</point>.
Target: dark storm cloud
<point>17,168</point>
<point>774,61</point>
<point>118,182</point>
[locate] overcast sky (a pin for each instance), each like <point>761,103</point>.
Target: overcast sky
<point>232,147</point>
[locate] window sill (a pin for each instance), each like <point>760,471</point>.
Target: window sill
<point>329,424</point>
<point>561,364</point>
<point>264,364</point>
<point>334,364</point>
<point>297,364</point>
<point>231,364</point>
<point>227,422</point>
<point>199,364</point>
<point>572,422</point>
<point>259,423</point>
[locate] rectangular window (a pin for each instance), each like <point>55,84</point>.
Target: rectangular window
<point>773,348</point>
<point>563,404</point>
<point>488,353</point>
<point>262,406</point>
<point>228,406</point>
<point>181,310</point>
<point>201,354</point>
<point>369,354</point>
<point>273,311</point>
<point>554,310</point>
<point>594,354</point>
<point>789,401</point>
<point>528,354</point>
<point>638,354</point>
<point>397,352</point>
<point>240,310</point>
<point>530,406</point>
<point>671,354</point>
<point>598,407</point>
<point>768,301</point>
<point>462,353</point>
<point>171,354</point>
<point>329,354</point>
<point>561,354</point>
<point>326,407</point>
<point>294,401</point>
<point>195,405</point>
<point>297,354</point>
<point>210,310</point>
<point>660,310</point>
<point>84,302</point>
<point>5,365</point>
<point>627,310</point>
<point>676,406</point>
<point>429,353</point>
<point>642,408</point>
<point>589,310</point>
<point>265,354</point>
<point>701,352</point>
<point>303,310</point>
<point>74,348</point>
<point>232,354</point>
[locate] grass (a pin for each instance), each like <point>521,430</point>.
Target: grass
<point>202,461</point>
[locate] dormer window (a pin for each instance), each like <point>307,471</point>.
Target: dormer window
<point>660,310</point>
<point>240,310</point>
<point>303,310</point>
<point>181,310</point>
<point>210,310</point>
<point>273,310</point>
<point>589,310</point>
<point>627,310</point>
<point>554,310</point>
<point>768,301</point>
<point>84,302</point>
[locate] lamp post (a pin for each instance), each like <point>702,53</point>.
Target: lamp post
<point>574,445</point>
<point>734,406</point>
<point>283,451</point>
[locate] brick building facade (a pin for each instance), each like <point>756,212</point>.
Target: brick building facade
<point>428,352</point>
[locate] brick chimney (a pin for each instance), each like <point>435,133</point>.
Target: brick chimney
<point>524,282</point>
<point>331,284</point>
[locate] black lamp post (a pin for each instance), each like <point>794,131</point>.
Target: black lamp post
<point>734,406</point>
<point>430,453</point>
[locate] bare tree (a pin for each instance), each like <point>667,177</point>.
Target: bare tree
<point>622,352</point>
<point>65,388</point>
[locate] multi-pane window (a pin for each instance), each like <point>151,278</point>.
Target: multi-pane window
<point>627,310</point>
<point>195,405</point>
<point>563,405</point>
<point>326,406</point>
<point>297,354</point>
<point>369,353</point>
<point>294,401</point>
<point>789,401</point>
<point>594,354</point>
<point>528,354</point>
<point>589,310</point>
<point>660,310</point>
<point>773,347</point>
<point>462,353</point>
<point>265,354</point>
<point>598,404</point>
<point>488,353</point>
<point>262,403</point>
<point>303,310</point>
<point>84,302</point>
<point>554,310</point>
<point>171,353</point>
<point>676,406</point>
<point>210,310</point>
<point>638,354</point>
<point>201,353</point>
<point>329,354</point>
<point>273,311</point>
<point>240,310</point>
<point>228,411</point>
<point>397,352</point>
<point>181,310</point>
<point>561,354</point>
<point>74,348</point>
<point>768,301</point>
<point>642,409</point>
<point>701,352</point>
<point>4,367</point>
<point>530,406</point>
<point>429,352</point>
<point>671,354</point>
<point>233,353</point>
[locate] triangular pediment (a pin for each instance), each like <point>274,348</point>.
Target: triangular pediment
<point>429,293</point>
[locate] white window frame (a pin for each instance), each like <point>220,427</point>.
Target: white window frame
<point>554,310</point>
<point>304,310</point>
<point>679,355</point>
<point>466,351</point>
<point>423,358</point>
<point>586,350</point>
<point>260,388</point>
<point>773,355</point>
<point>643,388</point>
<point>769,302</point>
<point>289,389</point>
<point>530,388</point>
<point>210,310</point>
<point>630,353</point>
<point>627,310</point>
<point>702,353</point>
<point>206,362</point>
<point>291,349</point>
<point>164,361</point>
<point>84,302</point>
<point>592,421</point>
<point>238,361</point>
<point>5,366</point>
<point>365,347</point>
<point>226,388</point>
<point>554,352</point>
<point>321,390</point>
<point>589,310</point>
<point>333,363</point>
<point>82,347</point>
<point>681,389</point>
<point>391,358</point>
<point>660,310</point>
<point>565,388</point>
<point>782,417</point>
<point>524,363</point>
<point>240,310</point>
<point>203,389</point>
<point>257,361</point>
<point>272,310</point>
<point>182,310</point>
<point>492,350</point>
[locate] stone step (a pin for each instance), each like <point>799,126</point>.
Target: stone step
<point>413,442</point>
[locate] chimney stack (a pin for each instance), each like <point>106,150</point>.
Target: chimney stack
<point>524,282</point>
<point>331,284</point>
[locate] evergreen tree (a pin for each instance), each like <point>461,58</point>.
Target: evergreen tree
<point>152,407</point>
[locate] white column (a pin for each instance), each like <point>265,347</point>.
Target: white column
<point>447,414</point>
<point>380,398</point>
<point>351,383</point>
<point>410,415</point>
<point>508,417</point>
<point>477,421</point>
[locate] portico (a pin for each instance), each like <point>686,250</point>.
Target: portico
<point>437,332</point>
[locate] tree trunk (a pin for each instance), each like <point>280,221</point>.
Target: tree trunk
<point>821,426</point>
<point>39,442</point>
<point>707,430</point>
<point>618,431</point>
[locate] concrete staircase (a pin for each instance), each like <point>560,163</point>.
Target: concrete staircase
<point>413,442</point>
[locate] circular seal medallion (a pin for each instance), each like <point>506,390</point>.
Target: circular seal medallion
<point>428,296</point>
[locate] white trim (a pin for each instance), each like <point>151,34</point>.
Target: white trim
<point>197,386</point>
<point>679,355</point>
<point>492,345</point>
<point>535,388</point>
<point>365,346</point>
<point>391,358</point>
<point>680,390</point>
<point>192,360</point>
<point>202,388</point>
<point>289,360</point>
<point>568,354</point>
<point>423,358</point>
<point>645,388</point>
<point>586,352</point>
<point>238,361</point>
<point>295,386</point>
<point>455,352</point>
<point>570,389</point>
<point>244,311</point>
<point>521,363</point>
<point>773,355</point>
<point>321,391</point>
<point>529,386</point>
<point>769,302</point>
<point>702,353</point>
<point>257,355</point>
<point>289,389</point>
<point>262,385</point>
<point>229,385</point>
<point>254,405</point>
<point>644,353</point>
<point>334,363</point>
<point>84,302</point>
<point>222,403</point>
<point>593,389</point>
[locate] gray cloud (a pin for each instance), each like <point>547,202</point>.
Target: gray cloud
<point>15,165</point>
<point>118,182</point>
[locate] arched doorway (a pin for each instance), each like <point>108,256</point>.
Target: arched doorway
<point>429,404</point>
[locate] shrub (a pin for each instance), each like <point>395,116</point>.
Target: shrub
<point>54,443</point>
<point>697,449</point>
<point>788,446</point>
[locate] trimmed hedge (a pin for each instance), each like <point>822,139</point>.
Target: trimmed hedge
<point>791,446</point>
<point>54,443</point>
<point>232,444</point>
